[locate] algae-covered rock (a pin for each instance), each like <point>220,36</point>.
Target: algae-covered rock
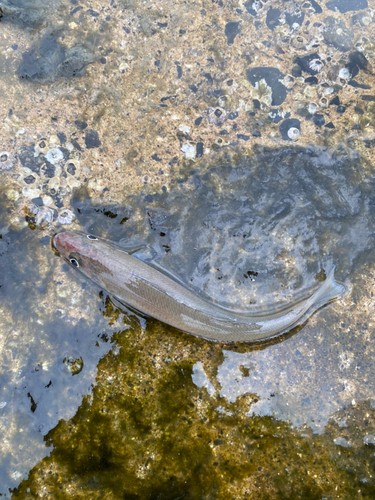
<point>149,432</point>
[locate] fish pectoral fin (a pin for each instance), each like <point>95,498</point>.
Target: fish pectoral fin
<point>137,248</point>
<point>134,247</point>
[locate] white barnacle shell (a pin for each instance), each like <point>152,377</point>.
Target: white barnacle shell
<point>41,147</point>
<point>43,215</point>
<point>73,167</point>
<point>66,216</point>
<point>344,73</point>
<point>54,156</point>
<point>293,133</point>
<point>323,102</point>
<point>315,64</point>
<point>217,115</point>
<point>264,92</point>
<point>289,81</point>
<point>298,42</point>
<point>312,108</point>
<point>6,160</point>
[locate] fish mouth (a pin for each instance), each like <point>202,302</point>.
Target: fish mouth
<point>61,244</point>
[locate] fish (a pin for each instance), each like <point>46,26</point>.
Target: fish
<point>146,289</point>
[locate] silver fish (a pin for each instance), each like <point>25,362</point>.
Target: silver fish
<point>155,294</point>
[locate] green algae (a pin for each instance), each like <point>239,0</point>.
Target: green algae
<point>148,432</point>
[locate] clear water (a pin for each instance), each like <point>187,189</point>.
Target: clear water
<point>152,124</point>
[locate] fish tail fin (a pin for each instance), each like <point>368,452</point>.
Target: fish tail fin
<point>330,290</point>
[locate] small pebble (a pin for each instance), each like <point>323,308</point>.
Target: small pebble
<point>335,101</point>
<point>12,194</point>
<point>369,439</point>
<point>189,150</point>
<point>54,139</point>
<point>47,200</point>
<point>312,108</point>
<point>185,129</point>
<point>319,120</point>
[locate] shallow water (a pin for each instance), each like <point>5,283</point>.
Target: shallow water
<point>232,143</point>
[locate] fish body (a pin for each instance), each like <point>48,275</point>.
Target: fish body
<point>155,294</point>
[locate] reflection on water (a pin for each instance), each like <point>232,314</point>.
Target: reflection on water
<point>235,140</point>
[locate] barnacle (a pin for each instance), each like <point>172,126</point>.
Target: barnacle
<point>66,216</point>
<point>293,133</point>
<point>6,160</point>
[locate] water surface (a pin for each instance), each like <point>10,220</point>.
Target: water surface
<point>235,142</point>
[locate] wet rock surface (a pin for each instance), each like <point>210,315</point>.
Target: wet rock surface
<point>246,218</point>
<point>49,60</point>
<point>235,142</point>
<point>29,14</point>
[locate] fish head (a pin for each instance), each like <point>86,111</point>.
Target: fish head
<point>79,250</point>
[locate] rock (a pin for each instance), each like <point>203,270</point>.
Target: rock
<point>337,34</point>
<point>32,13</point>
<point>344,6</point>
<point>231,31</point>
<point>273,18</point>
<point>272,77</point>
<point>92,139</point>
<point>48,60</point>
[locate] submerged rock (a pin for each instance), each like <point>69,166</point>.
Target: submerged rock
<point>337,34</point>
<point>272,77</point>
<point>231,31</point>
<point>49,60</point>
<point>31,13</point>
<point>344,6</point>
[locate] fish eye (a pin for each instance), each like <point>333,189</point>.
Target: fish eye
<point>74,262</point>
<point>91,237</point>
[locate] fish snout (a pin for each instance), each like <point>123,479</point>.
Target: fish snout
<point>53,245</point>
<point>62,243</point>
